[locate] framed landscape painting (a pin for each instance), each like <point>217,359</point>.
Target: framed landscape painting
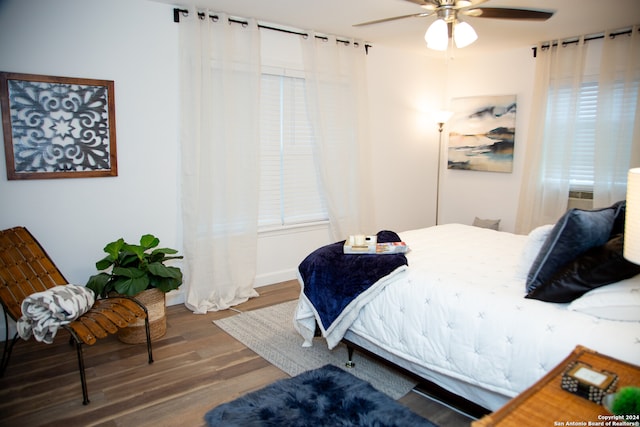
<point>482,133</point>
<point>58,127</point>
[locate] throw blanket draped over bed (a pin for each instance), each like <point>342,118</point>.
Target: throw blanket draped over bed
<point>43,313</point>
<point>336,285</point>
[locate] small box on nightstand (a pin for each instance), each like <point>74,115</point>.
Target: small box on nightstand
<point>585,381</point>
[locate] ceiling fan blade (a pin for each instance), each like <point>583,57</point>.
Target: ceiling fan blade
<point>421,2</point>
<point>378,21</point>
<point>506,13</point>
<point>433,4</point>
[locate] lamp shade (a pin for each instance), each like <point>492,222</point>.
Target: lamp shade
<point>437,35</point>
<point>442,116</point>
<point>632,217</point>
<point>464,34</point>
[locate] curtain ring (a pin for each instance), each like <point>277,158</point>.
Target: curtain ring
<point>214,18</point>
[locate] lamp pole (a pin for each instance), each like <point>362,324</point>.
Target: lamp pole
<point>440,127</point>
<point>441,117</point>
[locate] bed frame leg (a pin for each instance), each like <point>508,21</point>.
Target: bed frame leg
<point>350,363</point>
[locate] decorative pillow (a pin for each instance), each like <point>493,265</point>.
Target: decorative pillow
<point>618,301</point>
<point>493,224</point>
<point>576,232</point>
<point>618,217</point>
<point>597,267</point>
<point>535,240</point>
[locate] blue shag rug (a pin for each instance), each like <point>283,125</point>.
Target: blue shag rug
<point>327,396</point>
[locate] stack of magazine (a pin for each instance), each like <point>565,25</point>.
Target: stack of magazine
<point>370,246</point>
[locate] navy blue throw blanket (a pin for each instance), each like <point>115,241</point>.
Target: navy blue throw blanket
<point>332,279</point>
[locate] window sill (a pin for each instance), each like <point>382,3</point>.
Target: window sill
<point>294,228</point>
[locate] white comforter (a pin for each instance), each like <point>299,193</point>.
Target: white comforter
<point>459,311</point>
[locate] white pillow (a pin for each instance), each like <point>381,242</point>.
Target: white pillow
<point>535,240</point>
<point>617,301</point>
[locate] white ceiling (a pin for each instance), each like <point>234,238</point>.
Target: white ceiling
<point>571,18</point>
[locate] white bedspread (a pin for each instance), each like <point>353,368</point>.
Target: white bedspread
<point>460,311</point>
<point>305,316</point>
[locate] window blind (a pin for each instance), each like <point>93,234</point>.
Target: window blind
<point>586,110</point>
<point>582,160</point>
<point>290,191</point>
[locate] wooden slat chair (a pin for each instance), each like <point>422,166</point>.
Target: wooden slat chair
<point>25,268</point>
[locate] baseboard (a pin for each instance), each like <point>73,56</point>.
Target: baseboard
<point>177,297</point>
<point>174,297</point>
<point>275,277</point>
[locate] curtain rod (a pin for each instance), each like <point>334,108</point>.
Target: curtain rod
<point>576,40</point>
<point>185,12</point>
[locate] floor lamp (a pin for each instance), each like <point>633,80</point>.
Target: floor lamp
<point>441,118</point>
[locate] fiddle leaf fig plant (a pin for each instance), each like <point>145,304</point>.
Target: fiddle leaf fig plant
<point>130,269</point>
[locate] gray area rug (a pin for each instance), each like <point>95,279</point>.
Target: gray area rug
<point>270,333</point>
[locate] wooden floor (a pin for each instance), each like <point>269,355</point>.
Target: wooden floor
<point>197,366</point>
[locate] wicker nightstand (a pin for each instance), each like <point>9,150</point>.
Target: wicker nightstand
<point>546,404</point>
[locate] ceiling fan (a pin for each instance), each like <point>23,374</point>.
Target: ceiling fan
<point>448,25</point>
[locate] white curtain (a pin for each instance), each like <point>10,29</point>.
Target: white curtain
<point>336,92</point>
<point>561,70</point>
<point>220,81</point>
<point>618,125</point>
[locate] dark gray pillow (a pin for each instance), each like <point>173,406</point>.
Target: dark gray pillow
<point>597,267</point>
<point>575,233</point>
<point>619,209</point>
<point>493,224</point>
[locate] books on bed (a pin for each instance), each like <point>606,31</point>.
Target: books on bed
<point>376,248</point>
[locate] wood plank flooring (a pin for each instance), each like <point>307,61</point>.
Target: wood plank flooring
<point>197,366</point>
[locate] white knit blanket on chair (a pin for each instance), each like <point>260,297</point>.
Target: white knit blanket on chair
<point>43,313</point>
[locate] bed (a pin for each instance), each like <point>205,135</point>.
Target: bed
<point>457,315</point>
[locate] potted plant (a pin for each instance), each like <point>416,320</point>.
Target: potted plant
<point>138,271</point>
<point>625,402</point>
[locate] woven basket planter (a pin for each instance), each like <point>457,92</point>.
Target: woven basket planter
<point>154,300</point>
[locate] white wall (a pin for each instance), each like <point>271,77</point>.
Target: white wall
<point>403,94</point>
<point>467,194</point>
<point>134,43</point>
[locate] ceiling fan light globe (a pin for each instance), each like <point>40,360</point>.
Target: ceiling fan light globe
<point>437,35</point>
<point>439,46</point>
<point>463,3</point>
<point>464,34</point>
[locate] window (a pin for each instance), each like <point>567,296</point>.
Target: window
<point>584,143</point>
<point>582,160</point>
<point>289,186</point>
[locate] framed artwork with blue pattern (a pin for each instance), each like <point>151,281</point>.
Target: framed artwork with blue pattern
<point>482,133</point>
<point>58,127</point>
